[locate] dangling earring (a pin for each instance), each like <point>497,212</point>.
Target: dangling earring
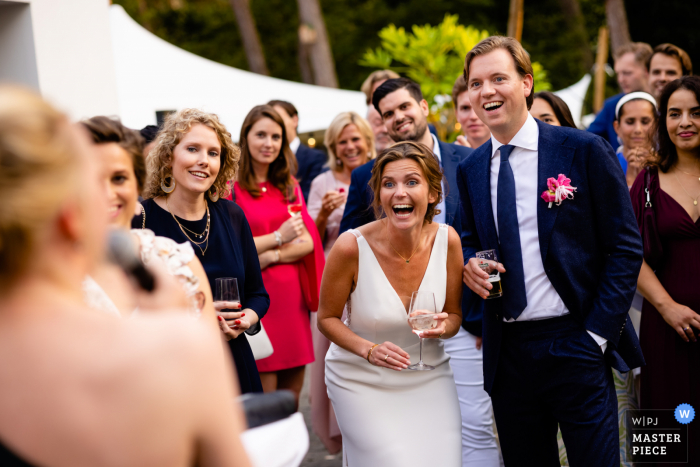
<point>213,197</point>
<point>168,188</point>
<point>338,162</point>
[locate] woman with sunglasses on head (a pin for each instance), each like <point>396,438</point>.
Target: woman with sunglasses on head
<point>287,243</point>
<point>189,168</point>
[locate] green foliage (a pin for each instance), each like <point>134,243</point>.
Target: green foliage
<point>433,57</point>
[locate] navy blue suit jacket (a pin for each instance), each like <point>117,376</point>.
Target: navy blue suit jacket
<point>310,164</point>
<point>591,247</point>
<point>603,123</point>
<point>358,212</point>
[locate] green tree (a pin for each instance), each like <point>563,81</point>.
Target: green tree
<point>433,57</point>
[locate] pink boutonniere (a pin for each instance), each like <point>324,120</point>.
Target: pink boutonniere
<point>558,190</point>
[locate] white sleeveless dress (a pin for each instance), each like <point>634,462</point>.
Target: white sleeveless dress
<point>394,418</point>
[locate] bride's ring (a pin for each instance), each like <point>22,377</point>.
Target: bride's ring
<point>685,329</point>
<point>387,356</point>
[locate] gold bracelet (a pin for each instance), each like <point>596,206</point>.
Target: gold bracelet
<point>369,353</point>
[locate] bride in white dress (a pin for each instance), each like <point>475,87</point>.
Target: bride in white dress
<point>389,415</point>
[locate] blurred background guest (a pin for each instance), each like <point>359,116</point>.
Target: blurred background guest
<point>350,144</point>
<point>635,116</point>
<point>374,80</point>
<point>309,162</point>
<point>667,63</point>
<point>382,140</point>
<point>148,133</point>
<point>289,248</point>
<point>669,276</point>
<point>120,151</point>
<point>118,375</point>
<point>632,71</point>
<point>188,171</point>
<point>474,132</point>
<point>551,109</point>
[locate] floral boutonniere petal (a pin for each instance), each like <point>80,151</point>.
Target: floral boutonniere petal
<point>558,189</point>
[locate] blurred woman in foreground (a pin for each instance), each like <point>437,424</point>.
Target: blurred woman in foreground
<point>80,388</point>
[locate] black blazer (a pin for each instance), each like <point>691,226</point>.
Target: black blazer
<point>310,164</point>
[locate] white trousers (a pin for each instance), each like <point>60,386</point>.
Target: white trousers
<point>479,446</point>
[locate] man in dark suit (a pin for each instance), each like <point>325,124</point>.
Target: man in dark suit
<point>404,111</point>
<point>310,161</point>
<point>568,269</point>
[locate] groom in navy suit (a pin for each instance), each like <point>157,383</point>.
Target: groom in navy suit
<point>568,269</point>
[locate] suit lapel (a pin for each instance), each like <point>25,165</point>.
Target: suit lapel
<point>553,159</point>
<point>479,175</point>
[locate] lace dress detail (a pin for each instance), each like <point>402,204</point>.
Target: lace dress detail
<point>175,256</point>
<point>97,299</point>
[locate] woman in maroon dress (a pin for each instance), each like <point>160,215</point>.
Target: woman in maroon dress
<point>669,276</point>
<point>289,248</point>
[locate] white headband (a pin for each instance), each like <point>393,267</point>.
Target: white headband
<point>633,96</point>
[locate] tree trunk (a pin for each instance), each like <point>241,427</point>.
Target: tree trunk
<point>515,19</point>
<point>319,48</point>
<point>307,75</point>
<point>617,23</point>
<point>600,60</point>
<point>249,34</point>
<point>576,23</point>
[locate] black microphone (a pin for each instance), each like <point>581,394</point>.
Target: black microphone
<point>122,252</point>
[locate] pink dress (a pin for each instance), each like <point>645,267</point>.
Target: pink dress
<point>293,287</point>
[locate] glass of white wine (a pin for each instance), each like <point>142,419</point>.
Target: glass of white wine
<point>421,317</point>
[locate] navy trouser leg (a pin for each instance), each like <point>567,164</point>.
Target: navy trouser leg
<point>552,372</point>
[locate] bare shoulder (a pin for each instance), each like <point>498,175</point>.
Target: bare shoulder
<point>344,249</point>
<point>453,239</point>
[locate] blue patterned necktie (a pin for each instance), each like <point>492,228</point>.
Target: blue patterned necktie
<point>513,280</point>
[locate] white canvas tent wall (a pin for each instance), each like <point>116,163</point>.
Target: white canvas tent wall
<point>155,75</point>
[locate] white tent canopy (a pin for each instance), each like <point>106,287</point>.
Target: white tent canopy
<point>154,75</point>
<point>574,96</point>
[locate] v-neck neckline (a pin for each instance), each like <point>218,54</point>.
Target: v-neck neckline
<point>388,282</point>
<point>680,206</point>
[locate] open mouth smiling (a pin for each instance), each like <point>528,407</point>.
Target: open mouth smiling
<point>402,211</point>
<point>201,175</point>
<point>491,106</point>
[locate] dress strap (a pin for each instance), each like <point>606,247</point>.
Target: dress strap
<point>355,232</point>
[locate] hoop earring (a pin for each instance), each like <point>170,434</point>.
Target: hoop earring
<point>167,188</point>
<point>213,197</point>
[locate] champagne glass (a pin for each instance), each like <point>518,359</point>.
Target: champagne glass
<point>293,201</point>
<point>227,291</point>
<point>421,318</point>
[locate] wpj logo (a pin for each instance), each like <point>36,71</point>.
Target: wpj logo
<point>658,435</point>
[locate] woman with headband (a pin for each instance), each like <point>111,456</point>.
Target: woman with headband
<point>635,115</point>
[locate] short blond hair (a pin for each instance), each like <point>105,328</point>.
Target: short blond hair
<point>38,171</point>
<point>336,128</point>
<point>371,80</point>
<point>426,160</point>
<point>520,56</point>
<point>175,127</point>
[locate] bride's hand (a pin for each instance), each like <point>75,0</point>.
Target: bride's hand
<point>390,356</point>
<point>439,329</point>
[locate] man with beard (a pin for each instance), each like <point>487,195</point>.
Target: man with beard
<point>403,110</point>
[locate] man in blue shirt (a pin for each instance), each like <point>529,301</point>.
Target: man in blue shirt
<point>632,75</point>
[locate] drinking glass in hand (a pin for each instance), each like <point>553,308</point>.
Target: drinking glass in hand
<point>488,261</point>
<point>421,317</point>
<point>293,201</point>
<point>227,291</point>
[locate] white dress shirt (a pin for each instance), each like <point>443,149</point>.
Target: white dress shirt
<point>294,145</point>
<point>543,301</point>
<point>439,218</point>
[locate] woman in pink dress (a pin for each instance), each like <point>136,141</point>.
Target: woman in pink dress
<point>288,245</point>
<point>350,144</point>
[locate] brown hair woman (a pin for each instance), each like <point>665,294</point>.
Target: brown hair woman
<point>287,244</point>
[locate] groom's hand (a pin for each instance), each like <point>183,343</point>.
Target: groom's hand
<point>477,279</point>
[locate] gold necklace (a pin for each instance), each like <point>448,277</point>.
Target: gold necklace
<point>695,200</point>
<point>197,244</point>
<point>688,173</point>
<point>392,246</point>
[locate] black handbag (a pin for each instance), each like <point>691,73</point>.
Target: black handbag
<point>653,249</point>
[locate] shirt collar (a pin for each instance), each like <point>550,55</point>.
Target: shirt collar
<point>527,137</point>
<point>436,147</point>
<point>294,145</point>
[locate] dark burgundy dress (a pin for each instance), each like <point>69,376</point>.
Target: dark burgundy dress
<point>672,373</point>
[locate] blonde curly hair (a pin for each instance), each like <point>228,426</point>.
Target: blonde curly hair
<point>175,127</point>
